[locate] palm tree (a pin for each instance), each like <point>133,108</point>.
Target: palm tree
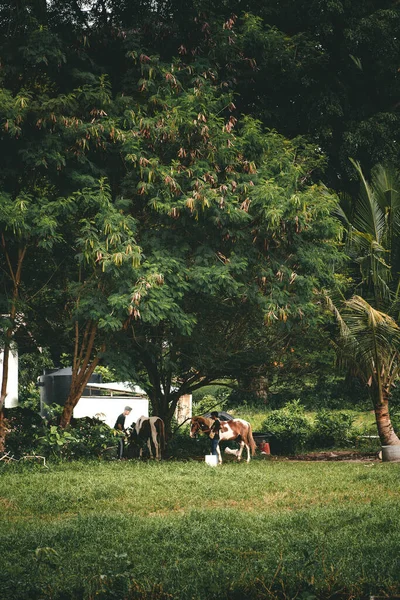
<point>369,344</point>
<point>373,234</point>
<point>369,340</point>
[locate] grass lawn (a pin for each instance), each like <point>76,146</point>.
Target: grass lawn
<point>270,529</point>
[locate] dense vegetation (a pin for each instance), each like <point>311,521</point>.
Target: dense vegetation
<point>169,196</point>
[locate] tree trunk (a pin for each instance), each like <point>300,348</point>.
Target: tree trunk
<point>3,394</point>
<point>3,432</point>
<point>257,385</point>
<point>386,432</point>
<point>16,279</point>
<point>78,385</point>
<point>164,407</point>
<point>82,368</point>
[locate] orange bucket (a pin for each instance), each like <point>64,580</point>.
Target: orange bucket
<point>264,448</point>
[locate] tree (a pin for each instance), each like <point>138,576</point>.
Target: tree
<point>370,347</point>
<point>29,225</point>
<point>100,284</point>
<point>226,216</point>
<point>64,229</point>
<point>233,231</point>
<point>369,331</point>
<point>328,72</point>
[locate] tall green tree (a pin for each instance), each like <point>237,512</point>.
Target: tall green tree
<point>29,225</point>
<point>232,228</point>
<point>226,214</point>
<point>99,284</point>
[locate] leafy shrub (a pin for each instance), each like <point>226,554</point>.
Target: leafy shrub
<point>181,445</point>
<point>395,419</point>
<point>55,442</point>
<point>249,399</point>
<point>85,438</point>
<point>333,429</point>
<point>29,433</point>
<point>289,428</point>
<point>93,438</point>
<point>25,426</point>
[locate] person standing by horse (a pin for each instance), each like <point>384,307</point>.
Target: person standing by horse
<point>120,427</point>
<point>214,432</point>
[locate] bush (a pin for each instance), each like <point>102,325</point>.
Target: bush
<point>289,428</point>
<point>181,445</point>
<point>85,438</point>
<point>333,429</point>
<point>29,433</point>
<point>25,426</point>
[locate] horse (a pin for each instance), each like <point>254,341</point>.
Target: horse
<point>150,430</point>
<point>236,429</point>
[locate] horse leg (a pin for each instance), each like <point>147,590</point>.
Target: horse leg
<point>241,446</point>
<point>155,437</point>
<point>219,454</point>
<point>248,452</point>
<point>149,447</point>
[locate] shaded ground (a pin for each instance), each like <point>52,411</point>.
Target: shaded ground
<point>352,455</point>
<point>329,455</point>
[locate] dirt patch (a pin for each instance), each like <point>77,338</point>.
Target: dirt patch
<point>7,504</point>
<point>335,456</point>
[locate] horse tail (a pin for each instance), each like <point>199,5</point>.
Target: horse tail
<point>162,434</point>
<point>251,441</point>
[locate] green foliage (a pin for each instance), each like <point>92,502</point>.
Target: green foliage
<point>30,434</point>
<point>93,439</point>
<point>333,429</point>
<point>395,418</point>
<point>86,438</point>
<point>30,366</point>
<point>25,427</point>
<point>55,442</point>
<point>182,446</point>
<point>208,402</point>
<point>292,431</point>
<point>289,427</point>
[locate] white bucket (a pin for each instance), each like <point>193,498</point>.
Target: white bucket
<point>211,459</point>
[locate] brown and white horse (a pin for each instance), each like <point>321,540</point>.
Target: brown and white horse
<point>236,429</point>
<point>150,430</point>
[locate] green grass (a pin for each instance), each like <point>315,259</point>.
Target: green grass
<point>270,529</point>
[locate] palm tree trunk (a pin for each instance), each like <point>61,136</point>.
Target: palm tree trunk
<point>386,432</point>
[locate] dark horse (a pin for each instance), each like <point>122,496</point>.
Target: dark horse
<point>149,430</point>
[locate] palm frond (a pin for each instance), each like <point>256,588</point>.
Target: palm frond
<point>369,218</point>
<point>376,334</point>
<point>386,184</point>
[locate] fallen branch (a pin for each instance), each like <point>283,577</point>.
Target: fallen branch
<point>7,458</point>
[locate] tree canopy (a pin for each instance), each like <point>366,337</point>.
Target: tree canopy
<point>166,161</point>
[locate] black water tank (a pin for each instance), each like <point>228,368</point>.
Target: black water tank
<point>55,385</point>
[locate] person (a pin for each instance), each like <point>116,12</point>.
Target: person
<point>214,432</point>
<point>120,426</point>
